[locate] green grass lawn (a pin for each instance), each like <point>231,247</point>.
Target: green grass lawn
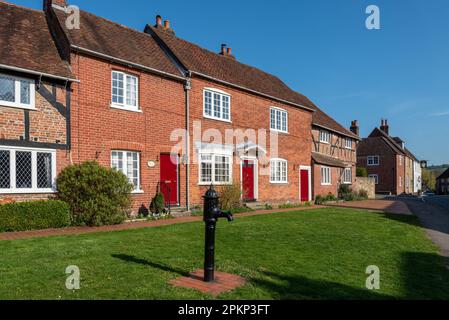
<point>315,254</point>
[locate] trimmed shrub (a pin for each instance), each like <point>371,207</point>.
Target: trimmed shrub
<point>362,172</point>
<point>344,191</point>
<point>97,195</point>
<point>157,205</point>
<point>363,194</point>
<point>231,197</point>
<point>35,215</point>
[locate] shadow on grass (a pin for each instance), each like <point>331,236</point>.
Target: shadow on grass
<point>425,276</point>
<point>154,265</point>
<point>285,287</point>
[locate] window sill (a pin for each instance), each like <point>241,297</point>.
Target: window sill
<point>207,184</point>
<point>16,106</point>
<point>279,131</point>
<point>138,192</point>
<point>216,119</point>
<point>130,109</point>
<point>347,183</point>
<point>326,184</point>
<point>28,191</point>
<point>325,142</point>
<point>279,183</point>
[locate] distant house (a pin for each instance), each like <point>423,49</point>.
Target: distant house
<point>442,185</point>
<point>387,160</point>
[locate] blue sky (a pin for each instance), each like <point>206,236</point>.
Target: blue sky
<point>322,49</point>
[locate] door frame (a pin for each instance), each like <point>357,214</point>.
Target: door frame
<point>309,169</point>
<point>256,175</point>
<point>178,176</point>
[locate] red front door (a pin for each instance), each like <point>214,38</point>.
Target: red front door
<point>304,185</point>
<point>169,178</point>
<point>248,180</point>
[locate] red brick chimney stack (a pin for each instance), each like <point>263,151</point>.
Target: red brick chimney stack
<point>229,52</point>
<point>223,49</point>
<point>385,127</point>
<point>167,25</point>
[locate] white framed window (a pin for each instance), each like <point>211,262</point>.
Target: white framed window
<point>279,120</point>
<point>347,176</point>
<point>127,162</point>
<point>27,170</point>
<point>217,105</point>
<point>348,143</point>
<point>373,160</point>
<point>278,171</point>
<point>216,169</point>
<point>376,178</point>
<point>17,92</point>
<point>326,176</point>
<point>125,91</point>
<point>325,136</point>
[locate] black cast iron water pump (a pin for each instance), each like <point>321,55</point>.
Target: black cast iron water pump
<point>212,213</point>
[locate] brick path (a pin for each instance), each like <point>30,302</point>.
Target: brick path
<point>390,206</point>
<point>224,282</point>
<point>128,226</point>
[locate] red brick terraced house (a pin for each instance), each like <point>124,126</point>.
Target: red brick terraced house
<point>395,169</point>
<point>173,116</point>
<point>35,99</point>
<point>442,183</point>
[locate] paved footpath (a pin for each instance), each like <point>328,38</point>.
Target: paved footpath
<point>130,225</point>
<point>390,206</point>
<point>434,219</point>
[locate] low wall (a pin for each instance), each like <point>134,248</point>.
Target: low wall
<point>367,184</point>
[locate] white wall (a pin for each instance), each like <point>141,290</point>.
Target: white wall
<point>417,179</point>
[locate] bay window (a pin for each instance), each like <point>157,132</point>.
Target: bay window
<point>125,91</point>
<point>278,171</point>
<point>217,105</point>
<point>128,162</point>
<point>27,170</point>
<point>17,92</point>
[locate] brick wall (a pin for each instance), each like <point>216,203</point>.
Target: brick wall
<point>97,128</point>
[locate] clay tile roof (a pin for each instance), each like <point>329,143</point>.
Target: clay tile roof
<point>328,161</point>
<point>321,119</point>
<point>394,143</point>
<point>444,175</point>
<point>205,62</point>
<point>26,42</point>
<point>115,40</point>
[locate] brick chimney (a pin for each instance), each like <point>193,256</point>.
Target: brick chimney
<point>355,129</point>
<point>49,3</point>
<point>385,127</point>
<point>226,52</point>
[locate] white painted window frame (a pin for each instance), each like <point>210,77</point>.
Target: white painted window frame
<point>124,106</point>
<point>348,143</point>
<point>373,164</point>
<point>213,162</point>
<point>17,103</point>
<point>325,136</point>
<point>345,170</point>
<point>138,189</point>
<point>222,94</point>
<point>278,112</point>
<point>274,161</point>
<point>376,178</point>
<point>324,181</point>
<point>34,189</point>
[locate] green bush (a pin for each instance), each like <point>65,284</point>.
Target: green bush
<point>344,191</point>
<point>361,172</point>
<point>231,197</point>
<point>157,205</point>
<point>97,195</point>
<point>319,199</point>
<point>363,194</point>
<point>34,215</point>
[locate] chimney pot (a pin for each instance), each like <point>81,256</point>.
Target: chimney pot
<point>385,127</point>
<point>158,20</point>
<point>229,53</point>
<point>166,24</point>
<point>355,127</point>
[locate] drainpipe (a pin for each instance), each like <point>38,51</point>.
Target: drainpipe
<point>187,88</point>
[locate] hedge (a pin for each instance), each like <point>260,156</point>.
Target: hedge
<point>34,215</point>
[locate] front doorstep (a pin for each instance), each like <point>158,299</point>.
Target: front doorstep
<point>224,282</point>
